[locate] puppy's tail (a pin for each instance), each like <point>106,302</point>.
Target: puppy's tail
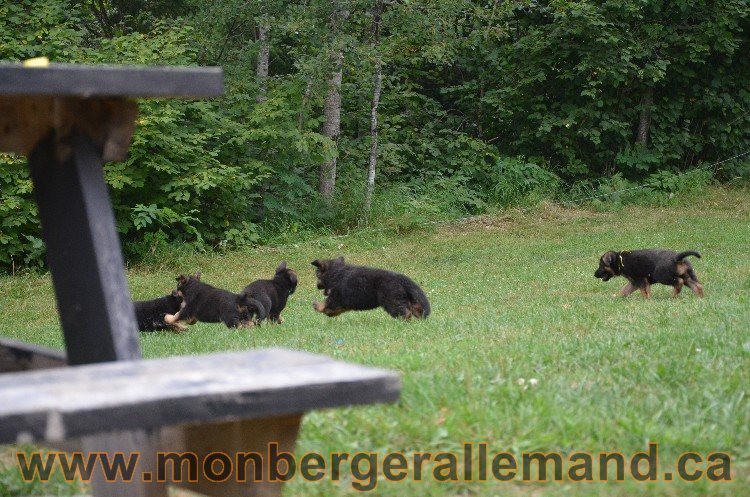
<point>420,306</point>
<point>682,255</point>
<point>254,307</point>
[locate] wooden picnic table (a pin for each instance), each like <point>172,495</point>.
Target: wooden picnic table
<point>69,119</point>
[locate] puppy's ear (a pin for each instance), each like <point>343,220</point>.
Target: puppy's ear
<point>198,276</point>
<point>282,267</point>
<point>339,260</point>
<point>319,264</point>
<point>610,258</point>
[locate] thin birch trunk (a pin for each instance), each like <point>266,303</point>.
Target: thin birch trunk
<point>303,105</point>
<point>377,87</point>
<point>261,74</point>
<point>261,69</point>
<point>332,126</point>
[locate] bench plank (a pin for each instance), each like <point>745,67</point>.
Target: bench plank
<point>20,356</point>
<point>72,402</point>
<point>80,80</point>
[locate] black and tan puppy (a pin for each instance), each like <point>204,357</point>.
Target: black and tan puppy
<point>272,294</point>
<point>209,304</point>
<point>150,313</point>
<point>642,268</point>
<point>360,288</point>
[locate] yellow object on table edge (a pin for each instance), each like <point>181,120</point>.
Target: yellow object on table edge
<point>36,62</point>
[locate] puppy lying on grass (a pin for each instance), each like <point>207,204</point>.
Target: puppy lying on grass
<point>642,268</point>
<point>272,294</point>
<point>360,288</point>
<point>150,313</point>
<point>209,304</point>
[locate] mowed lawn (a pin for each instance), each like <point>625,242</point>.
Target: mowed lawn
<point>513,297</point>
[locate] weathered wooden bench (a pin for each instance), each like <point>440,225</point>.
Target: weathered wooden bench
<point>99,395</point>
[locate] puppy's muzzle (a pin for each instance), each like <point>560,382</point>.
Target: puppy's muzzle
<point>603,274</point>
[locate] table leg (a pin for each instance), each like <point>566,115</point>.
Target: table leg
<point>235,439</point>
<point>125,444</point>
<point>83,253</point>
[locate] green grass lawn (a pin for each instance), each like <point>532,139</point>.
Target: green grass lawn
<point>513,297</point>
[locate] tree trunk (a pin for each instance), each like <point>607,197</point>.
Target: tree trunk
<point>377,86</point>
<point>645,121</point>
<point>303,105</point>
<point>378,78</point>
<point>261,69</point>
<point>99,10</point>
<point>480,111</point>
<point>332,126</point>
<point>261,74</point>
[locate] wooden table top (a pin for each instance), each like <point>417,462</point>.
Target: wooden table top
<point>90,81</point>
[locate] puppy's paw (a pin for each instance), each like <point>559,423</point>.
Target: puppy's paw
<point>319,306</point>
<point>170,318</point>
<point>179,328</point>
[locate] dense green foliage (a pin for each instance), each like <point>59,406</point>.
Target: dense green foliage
<point>484,104</point>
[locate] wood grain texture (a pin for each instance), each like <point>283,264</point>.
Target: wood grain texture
<point>88,81</point>
<point>130,395</point>
<point>108,122</point>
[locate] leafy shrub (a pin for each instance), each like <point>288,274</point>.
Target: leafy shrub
<point>516,181</point>
<point>636,160</point>
<point>736,171</point>
<point>687,183</point>
<point>659,188</point>
<point>182,178</point>
<point>20,233</point>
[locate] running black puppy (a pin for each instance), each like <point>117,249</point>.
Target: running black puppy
<point>209,304</point>
<point>150,313</point>
<point>642,268</point>
<point>272,294</point>
<point>360,288</point>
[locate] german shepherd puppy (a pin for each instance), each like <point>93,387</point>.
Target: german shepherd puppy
<point>642,268</point>
<point>209,304</point>
<point>360,288</point>
<point>272,294</point>
<point>150,313</point>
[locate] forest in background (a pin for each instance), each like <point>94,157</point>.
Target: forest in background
<point>340,113</point>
